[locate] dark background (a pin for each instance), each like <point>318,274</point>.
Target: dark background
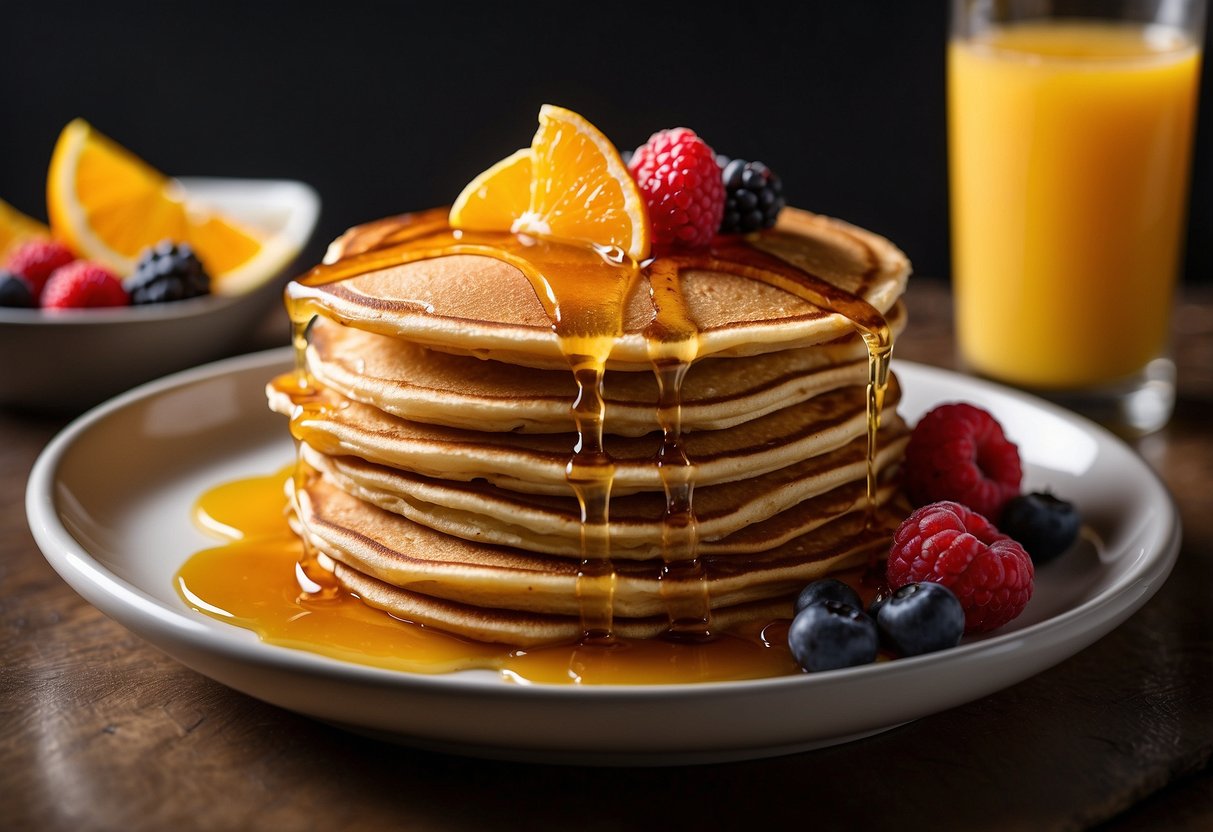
<point>388,107</point>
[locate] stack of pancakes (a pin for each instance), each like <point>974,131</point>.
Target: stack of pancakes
<point>435,430</point>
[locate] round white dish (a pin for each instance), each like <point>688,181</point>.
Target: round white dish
<point>109,504</point>
<point>76,358</point>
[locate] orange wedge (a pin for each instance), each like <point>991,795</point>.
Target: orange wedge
<point>16,228</point>
<point>108,204</point>
<point>579,189</point>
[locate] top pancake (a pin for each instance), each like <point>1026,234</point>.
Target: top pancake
<point>482,306</point>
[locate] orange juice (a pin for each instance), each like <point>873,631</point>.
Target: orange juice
<point>1069,153</point>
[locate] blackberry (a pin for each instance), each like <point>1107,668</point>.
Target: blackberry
<point>15,292</point>
<point>753,195</point>
<point>165,272</point>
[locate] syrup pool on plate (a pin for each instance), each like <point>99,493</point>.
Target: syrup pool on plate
<point>259,579</point>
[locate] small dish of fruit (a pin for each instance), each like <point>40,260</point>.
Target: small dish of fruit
<point>136,274</point>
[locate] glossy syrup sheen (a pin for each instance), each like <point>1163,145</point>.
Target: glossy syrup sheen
<point>583,288</point>
<point>260,579</point>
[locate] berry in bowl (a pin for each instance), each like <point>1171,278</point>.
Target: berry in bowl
<point>138,274</point>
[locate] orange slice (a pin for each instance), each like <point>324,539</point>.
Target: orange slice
<point>579,189</point>
<point>108,204</point>
<point>16,228</point>
<point>497,197</point>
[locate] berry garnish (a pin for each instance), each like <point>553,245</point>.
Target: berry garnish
<point>1043,524</point>
<point>15,292</point>
<point>753,196</point>
<point>959,452</point>
<point>36,260</point>
<point>83,284</point>
<point>828,589</point>
<point>680,181</point>
<point>949,544</point>
<point>921,617</point>
<point>165,272</point>
<point>828,635</point>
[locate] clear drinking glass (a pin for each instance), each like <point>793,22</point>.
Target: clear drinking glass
<point>1070,131</point>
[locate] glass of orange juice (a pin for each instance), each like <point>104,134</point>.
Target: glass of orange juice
<point>1070,128</point>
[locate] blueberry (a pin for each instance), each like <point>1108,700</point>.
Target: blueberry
<point>828,635</point>
<point>882,598</point>
<point>921,618</point>
<point>828,589</point>
<point>15,292</point>
<point>1043,524</point>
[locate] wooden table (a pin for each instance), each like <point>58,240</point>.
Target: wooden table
<point>100,731</point>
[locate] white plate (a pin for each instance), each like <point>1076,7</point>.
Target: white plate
<point>75,358</point>
<point>109,504</point>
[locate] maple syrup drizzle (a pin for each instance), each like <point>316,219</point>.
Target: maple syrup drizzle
<point>584,291</point>
<point>742,259</point>
<point>672,340</point>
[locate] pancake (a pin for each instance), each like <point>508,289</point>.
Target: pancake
<point>523,629</point>
<point>768,511</point>
<point>535,463</point>
<point>472,304</point>
<point>419,384</point>
<point>436,426</point>
<point>420,561</point>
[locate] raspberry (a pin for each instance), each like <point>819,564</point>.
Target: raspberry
<point>959,452</point>
<point>680,181</point>
<point>948,544</point>
<point>36,260</point>
<point>82,284</point>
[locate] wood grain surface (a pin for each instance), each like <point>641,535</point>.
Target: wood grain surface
<point>100,731</point>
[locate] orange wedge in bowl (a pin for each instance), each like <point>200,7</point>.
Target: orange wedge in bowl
<point>108,204</point>
<point>578,189</point>
<point>16,228</point>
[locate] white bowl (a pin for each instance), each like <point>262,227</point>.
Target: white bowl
<point>72,359</point>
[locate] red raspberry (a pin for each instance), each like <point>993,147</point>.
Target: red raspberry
<point>959,452</point>
<point>947,543</point>
<point>36,260</point>
<point>82,284</point>
<point>681,184</point>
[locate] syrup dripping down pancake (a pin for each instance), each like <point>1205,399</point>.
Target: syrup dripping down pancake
<point>535,463</point>
<point>760,514</point>
<point>438,462</point>
<point>410,562</point>
<point>419,384</point>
